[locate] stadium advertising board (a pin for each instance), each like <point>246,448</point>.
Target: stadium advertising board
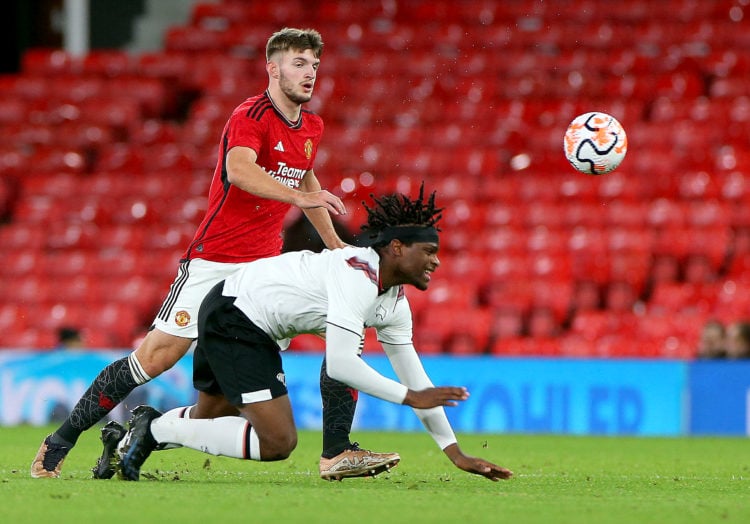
<point>549,396</point>
<point>606,397</point>
<point>719,398</point>
<point>37,388</point>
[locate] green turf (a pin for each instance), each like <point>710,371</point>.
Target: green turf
<point>558,479</point>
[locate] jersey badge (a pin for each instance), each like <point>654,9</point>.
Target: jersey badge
<point>182,318</point>
<point>380,313</point>
<point>308,149</point>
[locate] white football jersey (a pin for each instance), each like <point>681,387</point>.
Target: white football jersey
<point>299,292</point>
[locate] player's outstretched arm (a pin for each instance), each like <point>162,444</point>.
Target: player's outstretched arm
<point>476,465</point>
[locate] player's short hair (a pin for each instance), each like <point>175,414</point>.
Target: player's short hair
<point>297,39</point>
<point>397,216</point>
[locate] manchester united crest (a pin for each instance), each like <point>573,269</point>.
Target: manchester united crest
<point>308,148</point>
<point>182,318</point>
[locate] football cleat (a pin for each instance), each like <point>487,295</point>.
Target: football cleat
<point>139,442</point>
<point>356,462</point>
<point>49,459</point>
<point>111,436</point>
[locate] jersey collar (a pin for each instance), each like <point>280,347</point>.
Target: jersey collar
<point>292,124</point>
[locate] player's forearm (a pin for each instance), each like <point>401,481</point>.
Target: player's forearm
<point>251,178</point>
<point>318,217</point>
<point>409,369</point>
<point>436,423</point>
<point>343,364</point>
<point>321,220</point>
<point>453,452</point>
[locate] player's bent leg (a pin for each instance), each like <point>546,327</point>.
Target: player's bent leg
<point>339,403</point>
<point>213,406</point>
<point>341,458</point>
<point>235,437</point>
<point>160,351</point>
<point>157,353</point>
<point>273,423</point>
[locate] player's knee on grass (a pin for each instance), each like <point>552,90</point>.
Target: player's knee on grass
<point>277,445</point>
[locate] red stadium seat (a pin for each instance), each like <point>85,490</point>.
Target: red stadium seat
<point>108,63</point>
<point>69,263</point>
<point>577,346</point>
<point>17,237</point>
<point>543,323</point>
<point>118,319</point>
<point>193,39</point>
<point>121,114</point>
<point>169,66</point>
<point>507,321</point>
<point>72,235</point>
<point>13,314</point>
<point>83,135</point>
<point>510,347</point>
<point>13,110</point>
<point>49,159</point>
<point>56,313</point>
<point>29,338</point>
<point>428,341</point>
<point>46,61</point>
<point>18,263</point>
<point>31,289</point>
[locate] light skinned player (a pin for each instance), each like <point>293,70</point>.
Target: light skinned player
<point>265,166</point>
<point>245,323</point>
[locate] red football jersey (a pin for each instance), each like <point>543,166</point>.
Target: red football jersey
<point>238,226</point>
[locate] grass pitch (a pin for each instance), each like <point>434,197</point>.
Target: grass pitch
<point>558,479</point>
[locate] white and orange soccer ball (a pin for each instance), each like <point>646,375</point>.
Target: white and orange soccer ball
<point>595,143</point>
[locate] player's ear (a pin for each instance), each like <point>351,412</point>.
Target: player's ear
<point>396,247</point>
<point>272,68</point>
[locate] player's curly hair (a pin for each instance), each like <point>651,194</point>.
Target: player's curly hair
<point>397,210</point>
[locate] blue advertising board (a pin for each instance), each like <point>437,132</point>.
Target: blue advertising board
<point>563,396</point>
<point>719,395</point>
<point>37,388</point>
<point>524,395</point>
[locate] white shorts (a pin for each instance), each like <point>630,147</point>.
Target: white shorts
<point>179,313</point>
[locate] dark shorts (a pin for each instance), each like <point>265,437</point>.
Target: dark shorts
<point>233,356</point>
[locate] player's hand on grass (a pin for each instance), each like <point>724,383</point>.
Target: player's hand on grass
<point>476,465</point>
<point>321,198</point>
<point>434,397</point>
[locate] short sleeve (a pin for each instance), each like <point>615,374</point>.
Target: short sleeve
<point>245,132</point>
<point>352,289</point>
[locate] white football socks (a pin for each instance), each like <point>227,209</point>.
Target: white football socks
<point>181,412</point>
<point>225,436</point>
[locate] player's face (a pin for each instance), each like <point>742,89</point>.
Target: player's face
<point>297,72</point>
<point>418,262</point>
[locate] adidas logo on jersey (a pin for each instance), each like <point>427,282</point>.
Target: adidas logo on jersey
<point>279,147</point>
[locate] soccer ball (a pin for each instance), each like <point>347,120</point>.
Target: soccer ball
<point>595,143</point>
